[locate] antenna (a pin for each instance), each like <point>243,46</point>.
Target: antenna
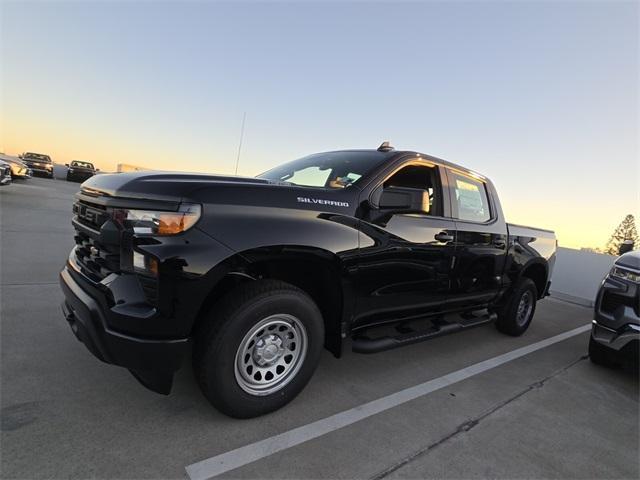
<point>385,147</point>
<point>244,117</point>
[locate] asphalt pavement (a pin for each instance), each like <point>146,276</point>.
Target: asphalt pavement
<point>460,406</point>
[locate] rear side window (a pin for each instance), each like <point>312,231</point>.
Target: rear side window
<point>471,198</point>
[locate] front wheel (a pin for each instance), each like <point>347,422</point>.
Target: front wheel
<point>258,348</point>
<point>515,315</point>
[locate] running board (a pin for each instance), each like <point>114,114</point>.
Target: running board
<point>364,344</point>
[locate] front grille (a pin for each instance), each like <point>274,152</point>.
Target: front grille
<point>96,260</point>
<point>90,214</point>
<point>611,301</point>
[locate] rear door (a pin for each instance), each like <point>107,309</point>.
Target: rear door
<point>481,243</point>
<point>404,261</point>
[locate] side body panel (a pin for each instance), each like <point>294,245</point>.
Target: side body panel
<point>530,246</point>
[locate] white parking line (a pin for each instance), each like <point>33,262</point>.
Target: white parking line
<point>255,451</point>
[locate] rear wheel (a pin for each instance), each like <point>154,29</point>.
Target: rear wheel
<point>259,348</point>
<point>515,315</point>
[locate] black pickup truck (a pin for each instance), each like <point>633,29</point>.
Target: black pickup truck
<point>374,249</point>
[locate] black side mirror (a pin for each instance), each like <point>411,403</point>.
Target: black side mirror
<point>404,199</point>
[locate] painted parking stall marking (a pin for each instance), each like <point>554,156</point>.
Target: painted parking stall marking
<point>239,457</point>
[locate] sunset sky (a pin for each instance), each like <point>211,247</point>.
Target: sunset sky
<point>542,97</point>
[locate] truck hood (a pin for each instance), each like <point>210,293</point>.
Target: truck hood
<point>630,260</point>
<point>160,185</point>
<point>241,192</point>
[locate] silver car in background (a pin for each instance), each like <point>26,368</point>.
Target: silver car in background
<point>5,173</point>
<point>19,169</point>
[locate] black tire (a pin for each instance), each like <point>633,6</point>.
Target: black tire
<point>224,332</point>
<point>511,319</point>
<point>600,355</point>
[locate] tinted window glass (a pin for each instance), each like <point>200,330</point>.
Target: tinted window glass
<point>37,156</point>
<point>327,170</point>
<point>76,163</point>
<point>471,198</point>
<point>420,177</point>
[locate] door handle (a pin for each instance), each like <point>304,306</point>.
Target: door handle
<point>443,237</point>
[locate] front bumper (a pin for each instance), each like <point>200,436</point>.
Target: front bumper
<point>21,173</point>
<point>41,170</point>
<point>79,176</point>
<point>5,180</point>
<point>618,340</point>
<point>152,361</point>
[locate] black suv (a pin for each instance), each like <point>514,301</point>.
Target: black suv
<point>615,335</point>
<point>79,171</point>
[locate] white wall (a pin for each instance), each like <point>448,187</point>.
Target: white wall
<point>577,275</point>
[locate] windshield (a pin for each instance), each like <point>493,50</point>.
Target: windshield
<point>37,156</point>
<point>327,170</point>
<point>76,163</point>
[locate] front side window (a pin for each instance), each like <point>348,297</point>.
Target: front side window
<point>333,170</point>
<point>471,198</point>
<point>420,177</point>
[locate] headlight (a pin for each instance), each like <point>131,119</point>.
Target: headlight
<point>625,274</point>
<point>155,222</point>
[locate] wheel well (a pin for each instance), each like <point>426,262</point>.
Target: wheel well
<point>538,273</point>
<point>317,275</point>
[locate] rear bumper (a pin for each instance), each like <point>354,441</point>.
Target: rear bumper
<point>152,361</point>
<point>5,180</point>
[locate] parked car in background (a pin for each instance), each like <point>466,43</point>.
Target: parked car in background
<point>615,335</point>
<point>38,163</point>
<point>19,169</point>
<point>387,248</point>
<point>79,171</point>
<point>5,173</point>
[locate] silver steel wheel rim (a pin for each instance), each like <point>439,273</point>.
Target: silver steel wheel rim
<point>525,306</point>
<point>270,354</point>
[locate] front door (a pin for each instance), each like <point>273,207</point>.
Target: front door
<point>405,257</point>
